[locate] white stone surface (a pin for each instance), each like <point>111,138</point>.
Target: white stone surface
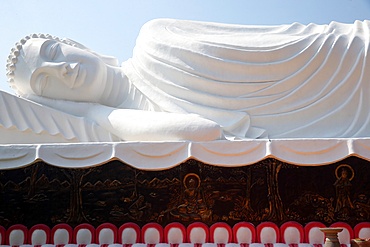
<point>276,82</point>
<point>164,155</point>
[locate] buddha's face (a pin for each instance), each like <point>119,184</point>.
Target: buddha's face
<point>56,70</point>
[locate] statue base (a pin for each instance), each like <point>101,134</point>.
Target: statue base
<point>331,236</point>
<point>359,242</point>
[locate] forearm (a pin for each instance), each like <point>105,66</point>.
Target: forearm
<point>138,125</point>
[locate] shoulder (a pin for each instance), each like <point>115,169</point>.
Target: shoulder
<point>157,29</point>
<point>162,22</point>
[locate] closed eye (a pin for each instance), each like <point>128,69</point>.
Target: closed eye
<point>53,51</point>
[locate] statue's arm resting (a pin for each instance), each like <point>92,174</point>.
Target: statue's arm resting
<point>138,125</point>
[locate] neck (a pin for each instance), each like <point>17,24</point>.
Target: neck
<point>116,89</point>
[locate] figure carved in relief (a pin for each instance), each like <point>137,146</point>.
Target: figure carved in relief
<point>192,205</point>
<point>344,174</point>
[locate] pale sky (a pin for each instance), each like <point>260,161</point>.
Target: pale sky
<point>111,27</point>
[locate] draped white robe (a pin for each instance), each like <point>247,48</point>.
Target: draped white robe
<point>288,81</point>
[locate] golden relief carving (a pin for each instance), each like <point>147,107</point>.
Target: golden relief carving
<point>268,190</point>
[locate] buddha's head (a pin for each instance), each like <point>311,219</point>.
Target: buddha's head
<point>56,68</point>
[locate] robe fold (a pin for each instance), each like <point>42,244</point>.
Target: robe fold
<point>287,81</point>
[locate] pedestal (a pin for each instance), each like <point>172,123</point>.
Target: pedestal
<point>358,242</point>
<point>331,236</point>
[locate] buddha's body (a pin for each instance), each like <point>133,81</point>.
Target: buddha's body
<point>291,81</point>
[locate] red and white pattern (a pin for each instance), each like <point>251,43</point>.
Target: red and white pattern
<point>129,234</point>
<point>198,234</point>
<point>2,235</point>
<point>221,234</point>
<point>268,233</point>
<point>61,235</point>
<point>292,234</point>
<point>106,234</point>
<point>244,233</point>
<point>152,234</point>
<point>362,230</point>
<point>313,235</point>
<point>345,235</point>
<point>175,234</point>
<point>84,234</point>
<point>16,235</point>
<point>39,235</point>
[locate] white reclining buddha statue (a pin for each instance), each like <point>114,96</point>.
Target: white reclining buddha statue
<point>194,81</point>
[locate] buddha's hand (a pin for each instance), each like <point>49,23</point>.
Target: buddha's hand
<point>71,107</point>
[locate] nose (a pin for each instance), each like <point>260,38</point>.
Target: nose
<point>63,67</point>
<point>63,70</point>
<point>58,70</point>
<point>70,67</point>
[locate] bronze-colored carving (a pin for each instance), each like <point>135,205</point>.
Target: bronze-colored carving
<point>344,205</point>
<point>193,191</point>
<point>192,204</point>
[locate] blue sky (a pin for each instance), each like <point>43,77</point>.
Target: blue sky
<point>111,27</point>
